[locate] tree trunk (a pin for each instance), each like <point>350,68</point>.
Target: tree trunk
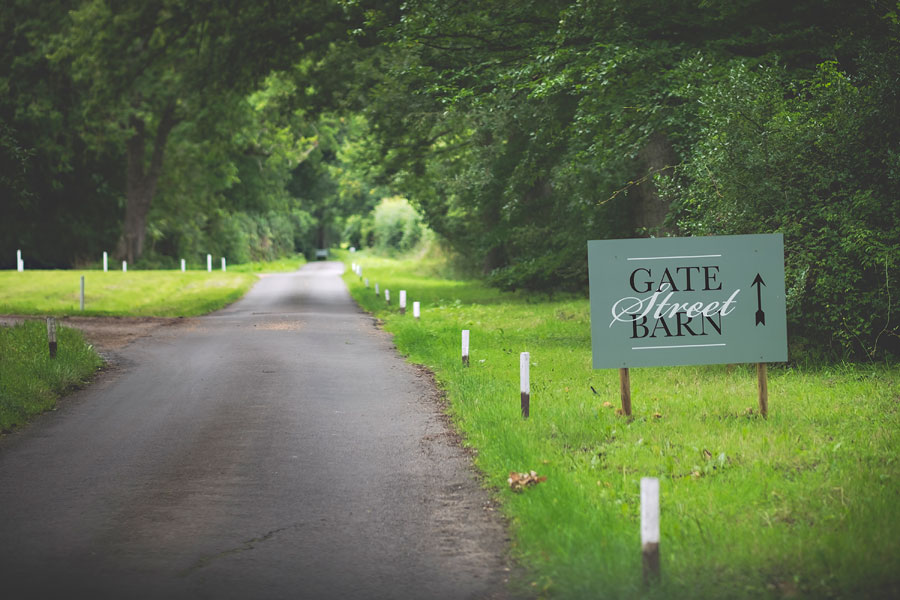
<point>649,210</point>
<point>141,182</point>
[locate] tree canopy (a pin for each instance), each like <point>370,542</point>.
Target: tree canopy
<point>518,131</point>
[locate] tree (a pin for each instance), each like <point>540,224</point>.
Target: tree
<point>146,68</point>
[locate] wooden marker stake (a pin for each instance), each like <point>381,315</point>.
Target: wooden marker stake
<point>650,528</point>
<point>51,336</point>
<point>417,311</point>
<point>402,302</point>
<point>105,262</point>
<point>387,296</point>
<point>625,389</point>
<point>182,265</point>
<point>524,362</point>
<point>82,292</point>
<point>223,263</point>
<point>465,347</point>
<point>209,263</point>
<point>763,382</point>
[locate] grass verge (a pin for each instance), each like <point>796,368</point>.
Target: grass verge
<point>135,293</point>
<point>31,381</point>
<point>804,504</point>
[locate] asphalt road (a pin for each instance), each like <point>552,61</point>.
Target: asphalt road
<point>279,448</point>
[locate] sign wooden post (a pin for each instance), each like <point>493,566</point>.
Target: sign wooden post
<point>625,390</point>
<point>51,336</point>
<point>763,384</point>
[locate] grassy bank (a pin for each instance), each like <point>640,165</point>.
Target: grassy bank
<point>135,293</point>
<point>31,381</point>
<point>804,504</point>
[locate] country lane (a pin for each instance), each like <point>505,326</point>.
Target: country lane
<point>279,448</point>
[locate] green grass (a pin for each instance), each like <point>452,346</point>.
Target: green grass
<point>31,381</point>
<point>804,504</point>
<point>135,293</point>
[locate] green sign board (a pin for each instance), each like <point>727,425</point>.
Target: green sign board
<point>687,301</point>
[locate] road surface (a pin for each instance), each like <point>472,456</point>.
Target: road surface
<point>279,448</point>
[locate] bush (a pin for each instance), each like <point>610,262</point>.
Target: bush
<point>818,160</point>
<point>396,226</point>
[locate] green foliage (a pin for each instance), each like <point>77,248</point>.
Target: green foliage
<point>31,381</point>
<point>802,504</point>
<point>817,160</point>
<point>396,227</point>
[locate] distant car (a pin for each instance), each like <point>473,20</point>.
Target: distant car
<point>321,254</point>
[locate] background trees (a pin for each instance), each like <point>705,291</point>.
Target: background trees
<point>518,130</point>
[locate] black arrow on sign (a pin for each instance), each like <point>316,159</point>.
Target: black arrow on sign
<point>760,315</point>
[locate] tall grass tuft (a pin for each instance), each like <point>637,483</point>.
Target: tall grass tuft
<point>31,381</point>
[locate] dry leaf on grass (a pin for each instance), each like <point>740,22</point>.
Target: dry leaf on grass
<point>519,481</point>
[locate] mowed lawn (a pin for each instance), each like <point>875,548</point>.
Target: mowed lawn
<point>136,293</point>
<point>803,504</point>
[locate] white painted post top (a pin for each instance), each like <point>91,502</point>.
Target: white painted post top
<point>465,342</point>
<point>402,298</point>
<point>524,377</point>
<point>416,310</point>
<point>649,510</point>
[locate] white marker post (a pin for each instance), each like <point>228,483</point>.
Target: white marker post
<point>124,266</point>
<point>367,282</point>
<point>82,292</point>
<point>465,347</point>
<point>223,264</point>
<point>650,528</point>
<point>209,263</point>
<point>416,310</point>
<point>376,290</point>
<point>524,378</point>
<point>51,336</point>
<point>182,265</point>
<point>387,296</point>
<point>402,302</point>
<point>20,264</point>
<point>105,262</point>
